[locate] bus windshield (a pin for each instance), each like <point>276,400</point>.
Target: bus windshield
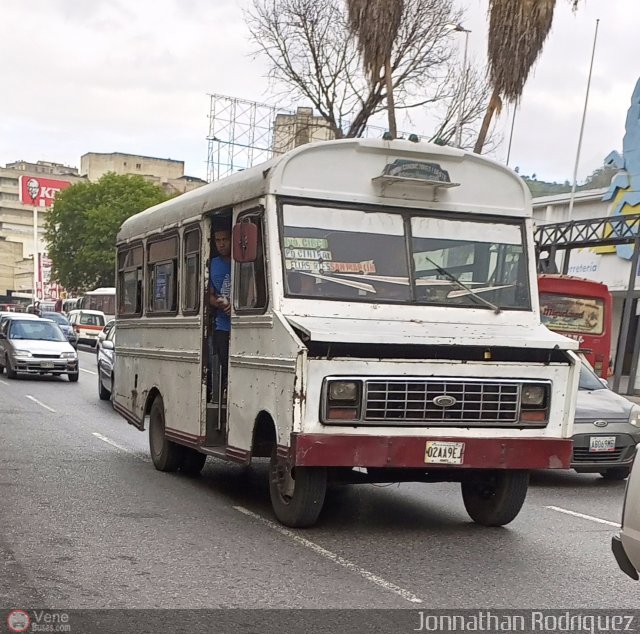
<point>354,255</point>
<point>562,313</point>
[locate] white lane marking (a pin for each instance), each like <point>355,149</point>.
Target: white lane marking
<point>35,400</point>
<point>337,559</point>
<point>117,446</point>
<point>583,516</point>
<point>88,371</point>
<point>4,383</point>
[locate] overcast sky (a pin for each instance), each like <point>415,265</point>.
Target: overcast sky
<point>119,76</point>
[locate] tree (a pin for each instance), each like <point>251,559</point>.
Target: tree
<point>314,58</point>
<point>517,32</point>
<point>375,24</point>
<point>81,228</point>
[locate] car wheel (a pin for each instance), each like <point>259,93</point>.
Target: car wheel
<point>103,392</point>
<point>73,376</point>
<point>619,473</point>
<point>11,373</point>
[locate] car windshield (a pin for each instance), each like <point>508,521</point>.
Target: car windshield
<point>35,330</point>
<point>57,317</point>
<point>91,320</point>
<point>589,379</point>
<point>354,255</point>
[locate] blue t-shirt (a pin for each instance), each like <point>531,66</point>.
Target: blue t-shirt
<point>220,279</point>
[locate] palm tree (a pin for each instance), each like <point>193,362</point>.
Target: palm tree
<point>375,24</point>
<point>517,32</point>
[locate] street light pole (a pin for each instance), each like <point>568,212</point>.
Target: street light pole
<point>584,116</point>
<point>463,96</point>
<point>35,252</point>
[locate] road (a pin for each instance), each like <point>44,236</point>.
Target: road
<point>87,522</point>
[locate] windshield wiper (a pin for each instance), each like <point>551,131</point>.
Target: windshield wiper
<point>455,280</point>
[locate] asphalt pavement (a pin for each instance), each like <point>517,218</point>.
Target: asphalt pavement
<point>87,522</point>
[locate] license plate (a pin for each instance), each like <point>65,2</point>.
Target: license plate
<point>602,443</point>
<point>437,452</point>
<point>46,364</point>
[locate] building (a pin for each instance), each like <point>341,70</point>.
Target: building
<point>27,191</point>
<point>293,130</point>
<point>602,264</point>
<point>166,173</point>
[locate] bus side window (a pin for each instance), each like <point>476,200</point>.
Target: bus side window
<point>250,293</point>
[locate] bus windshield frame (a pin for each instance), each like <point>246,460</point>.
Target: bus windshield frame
<point>457,260</point>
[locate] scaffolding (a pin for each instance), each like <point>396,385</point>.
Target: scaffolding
<point>242,133</point>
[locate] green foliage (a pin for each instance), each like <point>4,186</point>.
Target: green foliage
<point>81,228</point>
<point>599,178</point>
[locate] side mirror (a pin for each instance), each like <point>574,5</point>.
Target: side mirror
<point>245,242</point>
<point>107,345</point>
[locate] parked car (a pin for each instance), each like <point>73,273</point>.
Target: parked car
<point>606,428</point>
<point>103,334</point>
<point>106,363</point>
<point>36,346</point>
<point>626,545</point>
<point>87,324</point>
<point>64,324</point>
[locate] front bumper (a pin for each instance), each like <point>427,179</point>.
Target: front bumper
<point>622,558</point>
<point>350,450</point>
<point>26,365</point>
<point>586,461</point>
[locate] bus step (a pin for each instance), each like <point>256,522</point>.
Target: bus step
<point>216,434</point>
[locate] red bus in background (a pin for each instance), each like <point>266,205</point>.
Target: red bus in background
<point>580,309</point>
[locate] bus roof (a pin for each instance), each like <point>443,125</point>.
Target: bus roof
<point>563,284</point>
<point>107,290</point>
<point>325,171</point>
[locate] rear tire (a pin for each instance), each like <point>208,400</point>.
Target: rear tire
<point>618,473</point>
<point>11,373</point>
<point>297,496</point>
<point>166,455</point>
<point>103,392</point>
<point>192,462</point>
<point>494,498</point>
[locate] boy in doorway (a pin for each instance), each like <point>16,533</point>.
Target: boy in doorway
<point>220,301</point>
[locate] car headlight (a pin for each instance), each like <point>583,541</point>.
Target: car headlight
<point>343,391</point>
<point>533,394</point>
<point>68,355</point>
<point>634,416</point>
<point>22,353</point>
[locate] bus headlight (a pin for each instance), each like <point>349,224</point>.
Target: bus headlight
<point>634,416</point>
<point>342,401</point>
<point>22,353</point>
<point>533,395</point>
<point>345,391</point>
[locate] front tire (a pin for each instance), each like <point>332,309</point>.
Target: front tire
<point>494,498</point>
<point>298,494</point>
<point>11,373</point>
<point>166,455</point>
<point>73,377</point>
<point>103,392</point>
<point>618,473</point>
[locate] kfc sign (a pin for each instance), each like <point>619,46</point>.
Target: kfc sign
<point>40,192</point>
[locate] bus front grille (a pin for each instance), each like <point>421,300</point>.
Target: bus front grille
<point>418,401</point>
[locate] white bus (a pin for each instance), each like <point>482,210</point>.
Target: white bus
<point>384,327</point>
<point>102,299</point>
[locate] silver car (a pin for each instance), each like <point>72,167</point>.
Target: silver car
<point>36,346</point>
<point>626,545</point>
<point>606,429</point>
